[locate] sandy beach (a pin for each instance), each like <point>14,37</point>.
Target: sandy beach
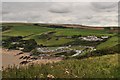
<point>10,58</point>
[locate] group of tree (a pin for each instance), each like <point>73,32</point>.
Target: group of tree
<point>18,42</point>
<point>112,50</point>
<point>76,36</point>
<point>4,28</point>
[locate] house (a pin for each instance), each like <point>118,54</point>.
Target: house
<point>104,37</point>
<point>91,38</point>
<point>44,50</point>
<point>77,52</point>
<point>21,48</point>
<point>15,43</point>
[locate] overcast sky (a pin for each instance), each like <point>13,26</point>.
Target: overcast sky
<point>86,13</point>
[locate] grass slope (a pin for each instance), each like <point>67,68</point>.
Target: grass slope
<point>109,43</point>
<point>93,67</point>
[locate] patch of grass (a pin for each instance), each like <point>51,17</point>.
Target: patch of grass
<point>53,41</point>
<point>83,32</point>
<point>77,47</point>
<point>25,30</point>
<point>109,43</point>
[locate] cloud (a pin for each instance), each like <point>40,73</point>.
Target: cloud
<point>59,0</point>
<point>87,13</point>
<point>60,8</point>
<point>104,5</point>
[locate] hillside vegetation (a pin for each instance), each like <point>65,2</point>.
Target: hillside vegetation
<point>31,31</point>
<point>109,43</point>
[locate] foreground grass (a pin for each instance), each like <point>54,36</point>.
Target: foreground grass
<point>93,67</point>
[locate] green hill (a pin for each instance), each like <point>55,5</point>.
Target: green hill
<point>33,31</point>
<point>109,43</point>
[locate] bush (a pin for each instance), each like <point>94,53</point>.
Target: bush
<point>112,50</point>
<point>4,28</point>
<point>34,52</point>
<point>66,53</point>
<point>28,45</point>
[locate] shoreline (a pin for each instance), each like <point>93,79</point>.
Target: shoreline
<point>11,58</point>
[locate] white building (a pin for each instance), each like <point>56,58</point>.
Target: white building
<point>91,38</point>
<point>104,37</point>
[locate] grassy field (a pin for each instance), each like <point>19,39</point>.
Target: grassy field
<point>92,67</point>
<point>109,43</point>
<point>53,42</point>
<point>83,32</point>
<point>34,32</point>
<point>25,30</point>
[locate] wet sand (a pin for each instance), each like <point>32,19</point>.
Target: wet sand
<point>10,58</point>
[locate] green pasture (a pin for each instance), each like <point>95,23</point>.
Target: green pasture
<point>18,29</point>
<point>25,30</point>
<point>82,32</point>
<point>52,41</point>
<point>109,43</point>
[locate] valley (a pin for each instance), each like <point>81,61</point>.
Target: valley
<point>51,45</point>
